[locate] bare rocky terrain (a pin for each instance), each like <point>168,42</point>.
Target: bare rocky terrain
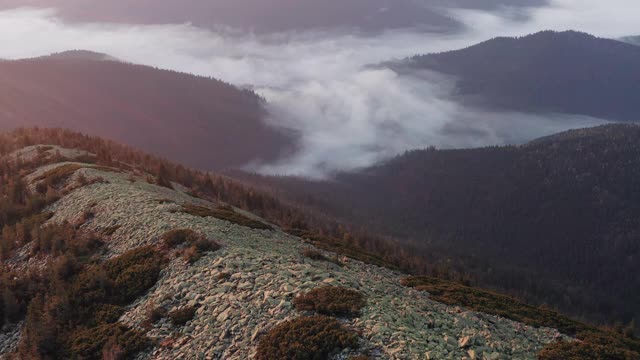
<point>248,286</point>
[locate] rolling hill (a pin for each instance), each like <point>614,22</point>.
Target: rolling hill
<point>548,72</point>
<point>199,121</point>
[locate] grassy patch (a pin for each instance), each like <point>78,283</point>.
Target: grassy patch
<point>597,343</point>
<point>316,337</point>
<point>332,300</point>
<point>226,213</point>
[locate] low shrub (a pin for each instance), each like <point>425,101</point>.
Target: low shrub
<point>581,350</point>
<point>56,176</point>
<point>181,316</point>
<point>313,338</point>
<point>176,237</point>
<point>204,244</point>
<point>192,255</point>
<point>313,254</point>
<point>91,343</point>
<point>316,255</point>
<point>76,315</point>
<point>198,243</point>
<point>59,239</point>
<point>153,315</point>
<point>333,301</point>
<point>226,213</point>
<point>107,314</point>
<point>338,246</point>
<point>135,281</point>
<point>87,216</point>
<point>111,230</point>
<point>223,276</point>
<point>134,273</point>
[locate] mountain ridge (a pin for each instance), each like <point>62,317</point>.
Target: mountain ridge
<point>548,72</point>
<point>143,107</point>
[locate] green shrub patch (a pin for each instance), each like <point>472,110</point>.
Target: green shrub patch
<point>93,343</point>
<point>332,301</point>
<point>306,338</point>
<point>226,213</point>
<point>194,244</point>
<point>74,309</point>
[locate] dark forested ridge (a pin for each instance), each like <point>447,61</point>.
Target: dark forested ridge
<point>555,221</point>
<point>198,121</point>
<point>560,72</point>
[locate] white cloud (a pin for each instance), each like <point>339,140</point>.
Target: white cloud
<point>349,115</point>
<point>611,18</point>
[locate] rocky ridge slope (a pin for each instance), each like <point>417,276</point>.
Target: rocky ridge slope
<point>247,287</point>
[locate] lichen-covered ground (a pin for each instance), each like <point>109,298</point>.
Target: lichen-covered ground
<point>265,272</point>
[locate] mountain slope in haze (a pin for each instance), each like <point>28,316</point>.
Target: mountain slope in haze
<point>632,39</point>
<point>269,15</point>
<point>198,121</point>
<point>555,221</point>
<point>547,72</point>
<point>106,260</point>
<point>80,55</point>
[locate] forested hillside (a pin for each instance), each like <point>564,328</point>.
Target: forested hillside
<point>548,72</point>
<point>197,121</point>
<point>554,221</point>
<point>107,252</point>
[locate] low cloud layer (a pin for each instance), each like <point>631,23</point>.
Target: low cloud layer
<point>348,114</point>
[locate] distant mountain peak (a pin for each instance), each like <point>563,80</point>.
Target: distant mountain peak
<point>564,33</point>
<point>184,117</point>
<point>566,72</point>
<point>81,55</point>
